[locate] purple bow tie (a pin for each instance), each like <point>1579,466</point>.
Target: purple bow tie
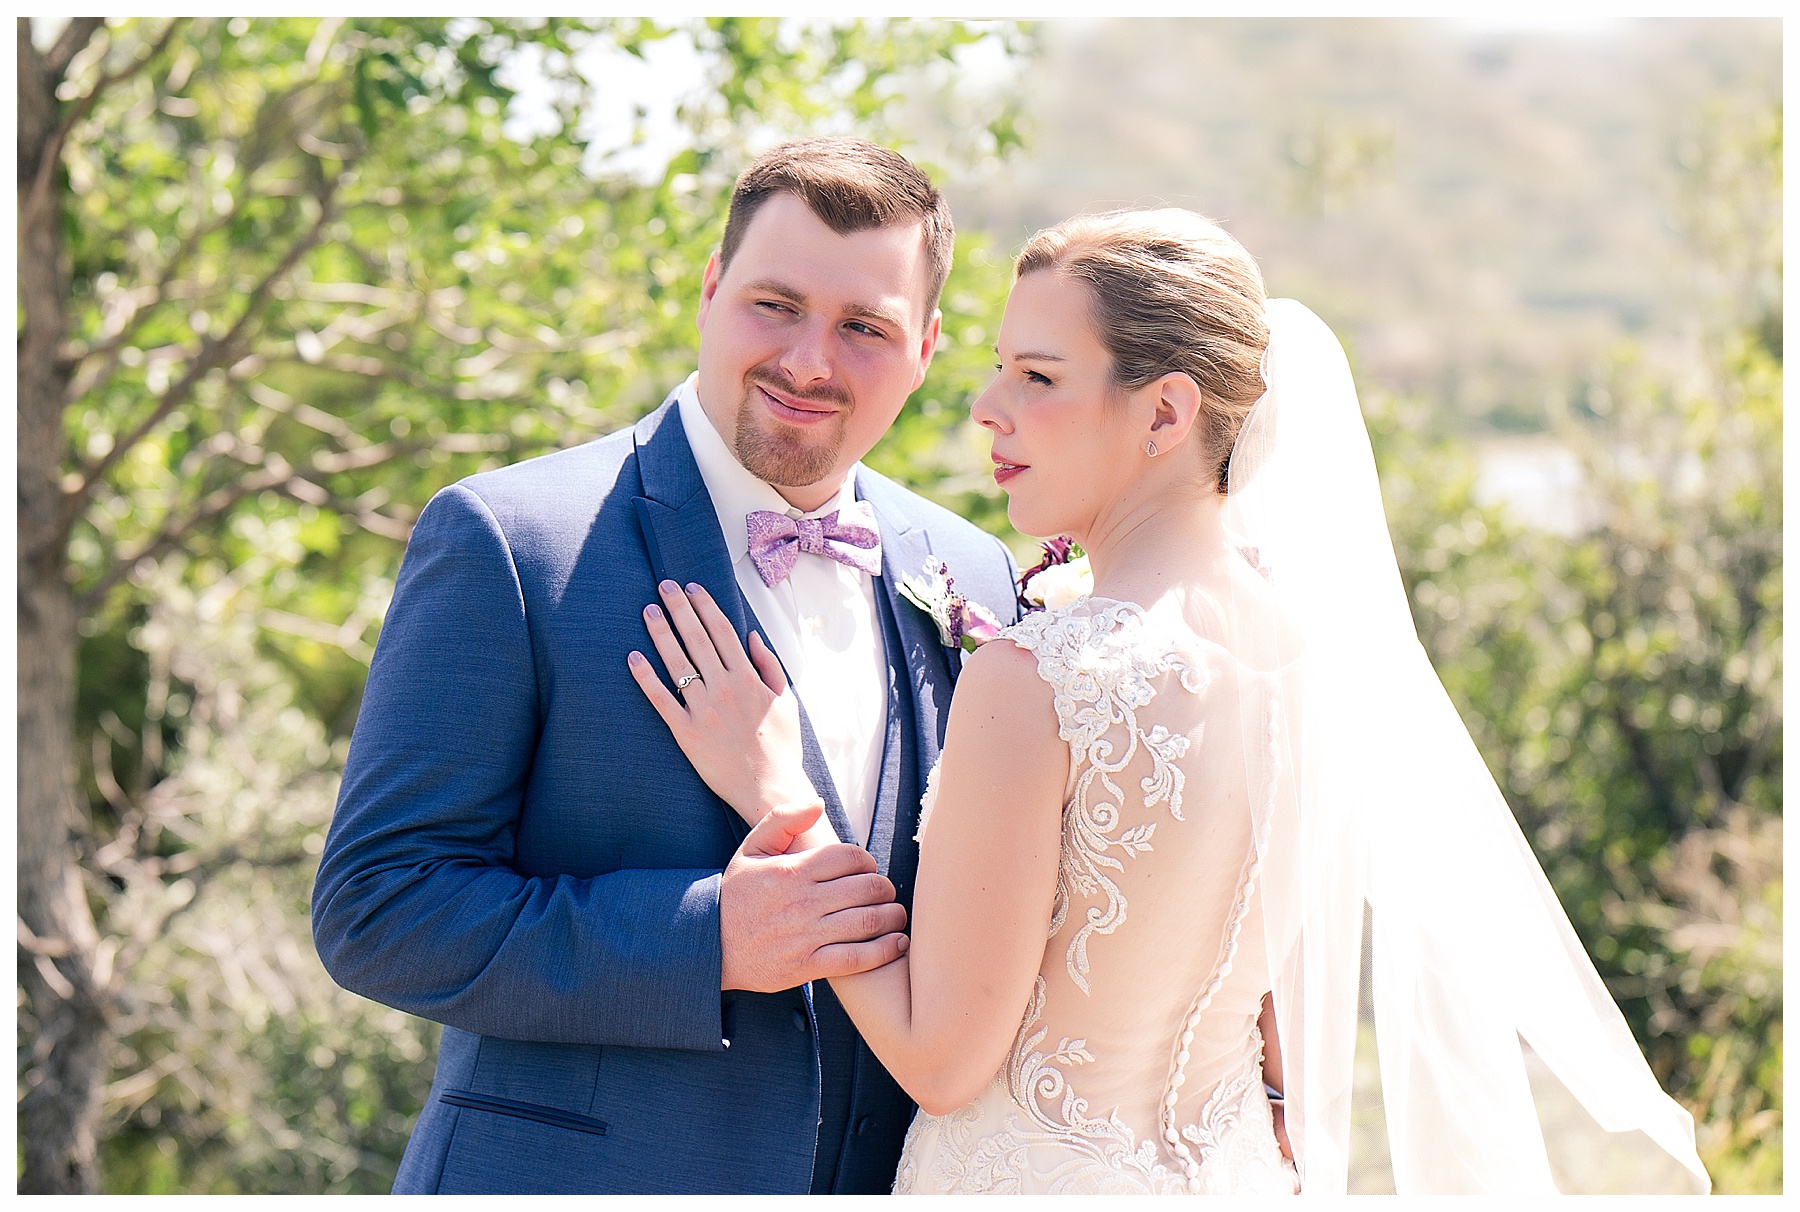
<point>846,535</point>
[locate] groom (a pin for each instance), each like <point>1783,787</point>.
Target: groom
<point>520,851</point>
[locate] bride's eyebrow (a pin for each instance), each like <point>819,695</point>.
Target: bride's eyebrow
<point>1033,357</point>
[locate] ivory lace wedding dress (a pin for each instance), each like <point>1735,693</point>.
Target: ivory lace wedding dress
<point>1137,1067</point>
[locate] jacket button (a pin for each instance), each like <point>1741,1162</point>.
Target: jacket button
<point>865,1125</point>
<point>800,1023</point>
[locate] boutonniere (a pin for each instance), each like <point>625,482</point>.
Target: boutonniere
<point>1058,579</point>
<point>960,623</point>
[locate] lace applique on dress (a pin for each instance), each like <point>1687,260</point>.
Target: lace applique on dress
<point>1036,1151</point>
<point>1101,668</point>
<point>928,801</point>
<point>1042,1126</point>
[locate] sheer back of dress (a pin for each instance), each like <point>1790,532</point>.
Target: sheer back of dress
<point>1141,1040</point>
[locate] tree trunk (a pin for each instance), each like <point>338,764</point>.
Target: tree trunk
<point>62,1082</point>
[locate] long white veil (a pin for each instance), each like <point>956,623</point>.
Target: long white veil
<point>1387,800</point>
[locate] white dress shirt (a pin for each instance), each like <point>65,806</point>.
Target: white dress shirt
<point>820,621</point>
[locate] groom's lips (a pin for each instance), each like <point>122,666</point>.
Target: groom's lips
<point>793,409</point>
<point>1004,471</point>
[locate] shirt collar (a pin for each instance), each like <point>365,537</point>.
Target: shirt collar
<point>736,492</point>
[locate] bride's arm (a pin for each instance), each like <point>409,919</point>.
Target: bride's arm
<point>942,1017</point>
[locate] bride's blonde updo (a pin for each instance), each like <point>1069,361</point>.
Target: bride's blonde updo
<point>1171,291</point>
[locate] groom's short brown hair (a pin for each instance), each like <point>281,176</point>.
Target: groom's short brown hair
<point>851,185</point>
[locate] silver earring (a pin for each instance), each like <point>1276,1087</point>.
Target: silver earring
<point>1150,447</point>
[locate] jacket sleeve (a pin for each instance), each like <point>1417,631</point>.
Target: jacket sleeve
<point>416,904</point>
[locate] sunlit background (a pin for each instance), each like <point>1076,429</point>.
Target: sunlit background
<point>281,280</point>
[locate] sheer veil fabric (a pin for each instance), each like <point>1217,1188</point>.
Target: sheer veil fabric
<point>1384,799</point>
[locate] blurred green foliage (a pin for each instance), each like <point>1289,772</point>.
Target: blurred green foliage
<point>315,279</point>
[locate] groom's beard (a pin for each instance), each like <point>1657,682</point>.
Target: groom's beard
<point>783,455</point>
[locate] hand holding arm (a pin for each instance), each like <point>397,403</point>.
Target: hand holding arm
<point>788,914</point>
<point>795,904</point>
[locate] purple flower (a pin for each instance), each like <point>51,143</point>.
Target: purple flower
<point>960,622</point>
<point>975,624</point>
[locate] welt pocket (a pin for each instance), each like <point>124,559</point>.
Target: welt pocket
<point>553,1116</point>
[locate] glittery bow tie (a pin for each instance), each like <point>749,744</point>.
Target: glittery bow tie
<point>846,535</point>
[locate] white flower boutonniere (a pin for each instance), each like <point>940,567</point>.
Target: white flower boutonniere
<point>960,623</point>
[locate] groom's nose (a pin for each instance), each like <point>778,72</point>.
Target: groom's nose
<point>807,359</point>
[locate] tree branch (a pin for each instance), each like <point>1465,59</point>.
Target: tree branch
<point>208,508</point>
<point>108,349</point>
<point>278,477</point>
<point>212,353</point>
<point>46,170</point>
<point>76,34</point>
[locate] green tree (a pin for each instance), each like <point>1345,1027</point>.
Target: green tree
<point>279,281</point>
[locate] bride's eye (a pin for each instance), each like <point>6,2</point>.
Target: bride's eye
<point>1032,376</point>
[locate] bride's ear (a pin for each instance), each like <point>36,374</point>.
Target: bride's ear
<point>1176,409</point>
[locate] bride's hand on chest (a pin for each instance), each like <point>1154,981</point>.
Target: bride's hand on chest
<point>731,711</point>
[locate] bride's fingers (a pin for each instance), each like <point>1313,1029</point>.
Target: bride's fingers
<point>674,656</point>
<point>699,644</point>
<point>779,829</point>
<point>724,635</point>
<point>768,665</point>
<point>673,713</point>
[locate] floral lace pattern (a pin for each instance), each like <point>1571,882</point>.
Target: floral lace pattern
<point>1032,1130</point>
<point>1101,670</point>
<point>1036,1151</point>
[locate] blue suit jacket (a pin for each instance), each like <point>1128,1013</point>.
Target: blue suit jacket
<point>521,852</point>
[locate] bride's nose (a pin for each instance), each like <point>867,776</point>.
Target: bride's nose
<point>987,412</point>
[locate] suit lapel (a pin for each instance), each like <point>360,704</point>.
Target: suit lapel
<point>681,529</point>
<point>682,540</point>
<point>922,658</point>
<point>896,799</point>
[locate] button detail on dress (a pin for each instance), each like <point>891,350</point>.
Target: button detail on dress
<point>865,1125</point>
<point>799,1019</point>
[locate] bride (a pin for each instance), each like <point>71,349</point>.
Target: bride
<point>1161,808</point>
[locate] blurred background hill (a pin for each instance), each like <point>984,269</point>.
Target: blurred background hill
<point>282,279</point>
<point>1481,214</point>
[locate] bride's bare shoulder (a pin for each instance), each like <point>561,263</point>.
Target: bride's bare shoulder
<point>1003,743</point>
<point>1001,668</point>
<point>1000,686</point>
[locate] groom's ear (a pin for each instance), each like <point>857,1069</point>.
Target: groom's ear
<point>927,347</point>
<point>709,286</point>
